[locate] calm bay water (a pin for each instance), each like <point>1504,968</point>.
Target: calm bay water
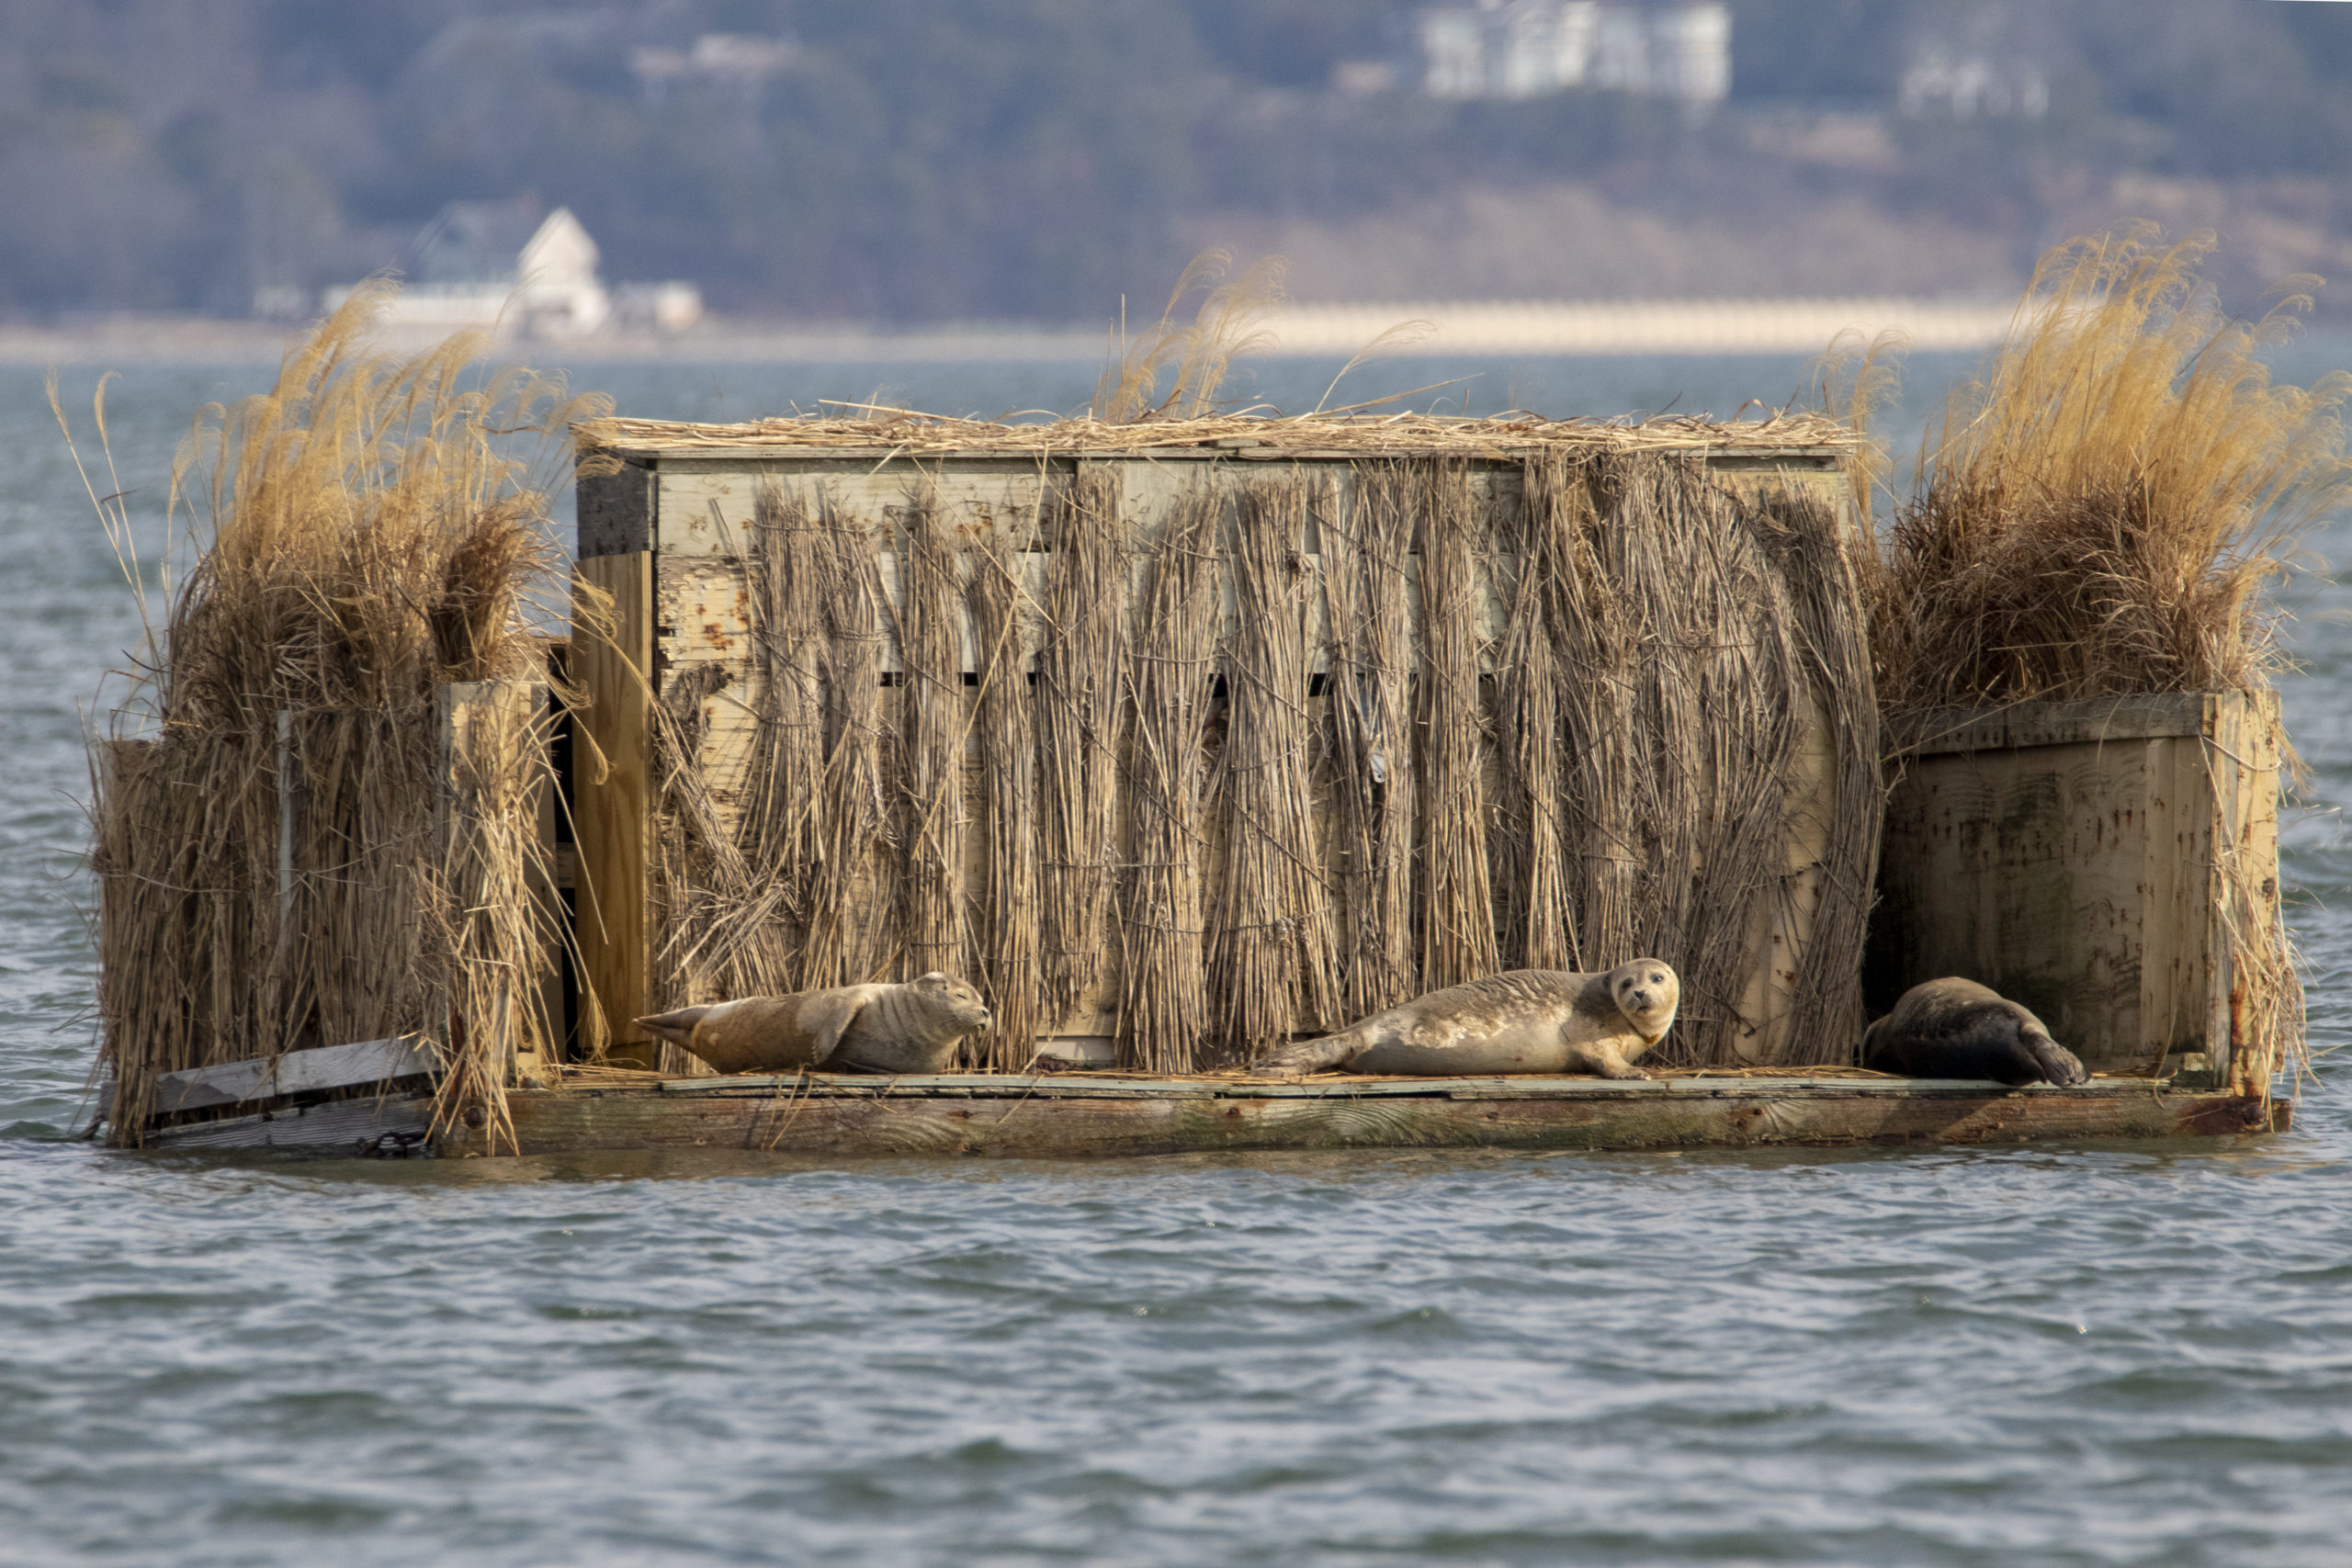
<point>2113,1356</point>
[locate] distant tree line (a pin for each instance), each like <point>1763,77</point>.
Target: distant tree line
<point>932,158</point>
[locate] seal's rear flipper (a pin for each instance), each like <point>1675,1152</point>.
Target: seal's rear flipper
<point>2059,1064</point>
<point>1303,1056</point>
<point>677,1028</point>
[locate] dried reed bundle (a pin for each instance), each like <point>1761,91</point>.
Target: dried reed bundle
<point>1273,958</point>
<point>2095,514</point>
<point>930,757</point>
<point>1691,638</point>
<point>372,536</point>
<point>351,887</point>
<point>1600,652</point>
<point>1164,1009</point>
<point>790,573</point>
<point>850,930</point>
<point>1077,717</point>
<point>1725,701</point>
<point>1825,566</point>
<point>1458,922</point>
<point>777,899</point>
<point>724,918</point>
<point>1368,608</point>
<point>2268,1033</point>
<point>1008,903</point>
<point>494,922</point>
<point>1536,925</point>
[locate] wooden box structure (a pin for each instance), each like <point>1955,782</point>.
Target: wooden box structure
<point>1180,739</point>
<point>2114,864</point>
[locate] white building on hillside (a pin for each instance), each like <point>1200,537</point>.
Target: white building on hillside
<point>500,265</point>
<point>1525,49</point>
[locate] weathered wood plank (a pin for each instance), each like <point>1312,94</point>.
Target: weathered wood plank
<point>297,1072</point>
<point>705,507</point>
<point>1037,1126</point>
<point>612,791</point>
<point>1943,732</point>
<point>614,511</point>
<point>1066,1086</point>
<point>1802,455</point>
<point>345,1125</point>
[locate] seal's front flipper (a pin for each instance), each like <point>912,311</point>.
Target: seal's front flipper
<point>825,1020</point>
<point>1611,1064</point>
<point>1303,1056</point>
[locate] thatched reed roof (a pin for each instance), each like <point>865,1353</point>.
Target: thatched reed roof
<point>903,431</point>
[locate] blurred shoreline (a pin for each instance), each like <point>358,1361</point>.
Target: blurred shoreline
<point>1545,328</point>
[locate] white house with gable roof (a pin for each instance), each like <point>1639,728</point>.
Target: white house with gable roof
<point>501,266</point>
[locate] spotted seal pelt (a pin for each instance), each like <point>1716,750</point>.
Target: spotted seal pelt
<point>908,1028</point>
<point>1522,1021</point>
<point>1957,1029</point>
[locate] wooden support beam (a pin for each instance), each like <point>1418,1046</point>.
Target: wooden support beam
<point>612,762</point>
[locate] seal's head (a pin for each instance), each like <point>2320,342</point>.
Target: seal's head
<point>955,1003</point>
<point>1646,992</point>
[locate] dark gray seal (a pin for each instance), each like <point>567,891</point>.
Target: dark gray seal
<point>908,1028</point>
<point>1957,1029</point>
<point>1522,1021</point>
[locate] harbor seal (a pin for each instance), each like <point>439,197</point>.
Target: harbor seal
<point>1957,1029</point>
<point>1522,1021</point>
<point>908,1028</point>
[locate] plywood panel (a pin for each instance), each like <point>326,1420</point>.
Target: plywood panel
<point>612,804</point>
<point>2088,873</point>
<point>705,508</point>
<point>705,515</point>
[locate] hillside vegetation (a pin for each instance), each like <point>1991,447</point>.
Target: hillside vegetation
<point>918,160</point>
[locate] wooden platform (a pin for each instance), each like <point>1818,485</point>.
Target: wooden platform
<point>1056,1116</point>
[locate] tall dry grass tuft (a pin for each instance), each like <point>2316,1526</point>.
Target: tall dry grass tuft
<point>2095,515</point>
<point>369,531</point>
<point>1200,354</point>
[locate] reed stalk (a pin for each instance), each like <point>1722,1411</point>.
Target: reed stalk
<point>1458,922</point>
<point>1368,609</point>
<point>1078,705</point>
<point>1273,955</point>
<point>1172,666</point>
<point>1008,810</point>
<point>930,756</point>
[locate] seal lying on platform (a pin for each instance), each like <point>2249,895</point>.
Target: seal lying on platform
<point>1958,1029</point>
<point>909,1028</point>
<point>1522,1021</point>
